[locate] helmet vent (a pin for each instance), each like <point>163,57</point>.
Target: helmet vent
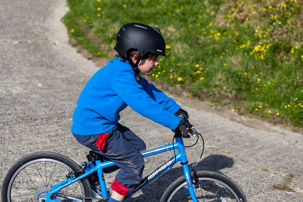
<point>140,26</point>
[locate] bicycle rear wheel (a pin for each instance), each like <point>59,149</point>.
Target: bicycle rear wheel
<point>212,187</point>
<point>33,175</point>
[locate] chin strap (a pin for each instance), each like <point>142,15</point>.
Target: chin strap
<point>135,68</point>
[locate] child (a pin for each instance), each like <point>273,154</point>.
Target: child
<point>112,89</point>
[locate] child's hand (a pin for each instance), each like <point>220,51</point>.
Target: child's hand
<point>183,113</point>
<point>182,128</point>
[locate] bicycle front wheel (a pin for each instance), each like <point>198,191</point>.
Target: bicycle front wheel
<point>33,175</point>
<point>211,187</point>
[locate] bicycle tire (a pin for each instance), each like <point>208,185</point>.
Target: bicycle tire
<point>32,175</point>
<point>212,187</point>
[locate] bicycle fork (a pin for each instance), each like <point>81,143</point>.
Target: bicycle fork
<point>184,163</point>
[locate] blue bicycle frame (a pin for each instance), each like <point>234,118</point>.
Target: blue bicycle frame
<point>98,167</point>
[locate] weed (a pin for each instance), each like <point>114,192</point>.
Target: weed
<point>248,52</point>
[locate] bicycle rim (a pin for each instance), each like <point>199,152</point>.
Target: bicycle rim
<point>34,178</point>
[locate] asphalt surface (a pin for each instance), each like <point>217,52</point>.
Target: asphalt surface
<point>41,77</point>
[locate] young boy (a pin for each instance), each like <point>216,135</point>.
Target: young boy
<point>112,89</point>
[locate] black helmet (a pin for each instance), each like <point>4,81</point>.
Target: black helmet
<point>141,37</point>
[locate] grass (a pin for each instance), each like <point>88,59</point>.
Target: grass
<point>245,53</point>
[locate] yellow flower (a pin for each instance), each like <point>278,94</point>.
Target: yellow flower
<point>202,78</point>
<point>260,106</point>
<point>180,79</point>
<point>197,65</point>
<point>98,1</point>
<point>99,15</point>
<point>124,5</point>
<point>99,9</point>
<point>256,109</point>
<point>170,70</point>
<point>171,77</point>
<point>168,47</point>
<point>269,111</point>
<point>292,50</point>
<point>224,65</point>
<point>278,114</point>
<point>72,30</point>
<point>157,76</point>
<point>245,73</point>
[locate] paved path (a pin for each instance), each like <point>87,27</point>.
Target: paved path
<point>41,77</point>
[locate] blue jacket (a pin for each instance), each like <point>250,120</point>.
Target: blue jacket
<point>112,89</point>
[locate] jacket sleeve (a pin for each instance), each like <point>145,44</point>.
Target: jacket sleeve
<point>160,97</point>
<point>133,94</point>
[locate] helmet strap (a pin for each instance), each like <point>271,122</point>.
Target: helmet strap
<point>135,67</point>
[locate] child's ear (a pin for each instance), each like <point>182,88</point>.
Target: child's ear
<point>134,58</point>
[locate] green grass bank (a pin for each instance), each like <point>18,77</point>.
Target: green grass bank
<point>243,53</point>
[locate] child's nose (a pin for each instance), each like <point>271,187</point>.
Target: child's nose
<point>156,62</point>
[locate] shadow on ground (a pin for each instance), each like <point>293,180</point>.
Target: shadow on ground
<point>154,191</point>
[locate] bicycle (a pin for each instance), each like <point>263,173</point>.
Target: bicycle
<point>50,177</point>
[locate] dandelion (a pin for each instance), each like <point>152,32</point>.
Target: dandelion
<point>157,76</point>
<point>72,30</point>
<point>256,109</point>
<point>171,77</point>
<point>292,50</point>
<point>98,1</point>
<point>202,78</point>
<point>258,80</point>
<point>224,65</point>
<point>269,112</point>
<point>124,5</point>
<point>99,9</point>
<point>197,65</point>
<point>170,70</point>
<point>278,114</point>
<point>179,79</point>
<point>260,106</point>
<point>99,15</point>
<point>168,47</point>
<point>245,73</point>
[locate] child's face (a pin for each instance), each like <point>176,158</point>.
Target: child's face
<point>147,65</point>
